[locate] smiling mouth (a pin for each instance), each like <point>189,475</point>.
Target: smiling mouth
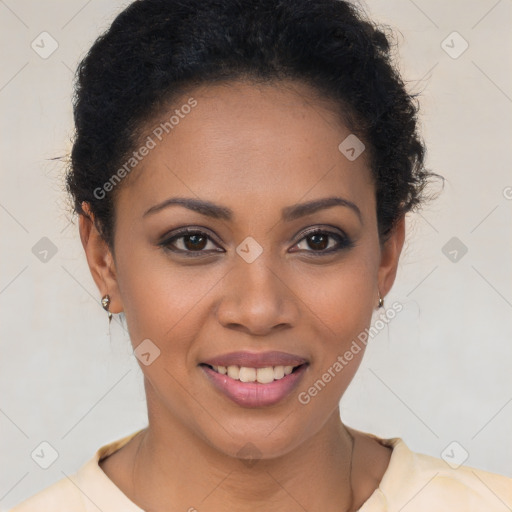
<point>264,375</point>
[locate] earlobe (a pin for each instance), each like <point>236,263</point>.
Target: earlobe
<point>390,256</point>
<point>99,258</point>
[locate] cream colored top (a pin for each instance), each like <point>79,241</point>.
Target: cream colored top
<point>412,483</point>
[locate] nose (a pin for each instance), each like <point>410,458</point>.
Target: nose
<point>256,299</point>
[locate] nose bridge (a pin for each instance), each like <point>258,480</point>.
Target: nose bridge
<point>255,262</point>
<point>258,286</point>
<point>255,296</point>
<point>258,276</point>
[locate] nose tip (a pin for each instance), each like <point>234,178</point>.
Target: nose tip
<point>256,301</point>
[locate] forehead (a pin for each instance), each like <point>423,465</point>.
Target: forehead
<point>243,144</point>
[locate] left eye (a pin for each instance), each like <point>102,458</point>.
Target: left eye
<point>318,241</point>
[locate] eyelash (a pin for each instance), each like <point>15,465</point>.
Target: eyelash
<point>343,242</point>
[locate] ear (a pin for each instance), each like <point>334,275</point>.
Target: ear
<point>100,259</point>
<point>390,255</point>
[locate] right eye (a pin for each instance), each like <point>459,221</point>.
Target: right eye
<point>190,242</point>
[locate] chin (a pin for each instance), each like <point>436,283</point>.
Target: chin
<point>266,437</point>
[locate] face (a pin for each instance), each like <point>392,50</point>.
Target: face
<point>260,281</point>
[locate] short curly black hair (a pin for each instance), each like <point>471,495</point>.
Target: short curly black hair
<point>156,50</point>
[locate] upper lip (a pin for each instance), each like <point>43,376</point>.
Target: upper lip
<point>256,359</point>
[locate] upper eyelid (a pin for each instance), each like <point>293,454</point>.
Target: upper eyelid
<point>179,233</point>
<point>193,230</point>
<point>330,230</point>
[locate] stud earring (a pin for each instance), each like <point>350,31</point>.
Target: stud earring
<point>381,301</point>
<point>105,302</point>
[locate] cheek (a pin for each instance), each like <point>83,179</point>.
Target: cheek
<point>165,305</point>
<point>340,298</point>
<point>162,302</point>
<point>340,304</point>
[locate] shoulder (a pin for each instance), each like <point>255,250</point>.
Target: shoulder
<point>87,490</point>
<point>456,486</point>
<point>63,495</point>
<point>419,482</point>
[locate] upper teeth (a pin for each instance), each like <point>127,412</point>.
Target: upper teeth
<point>261,375</point>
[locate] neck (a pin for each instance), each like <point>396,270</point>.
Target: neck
<point>173,466</point>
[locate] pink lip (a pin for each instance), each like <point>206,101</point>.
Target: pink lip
<point>256,360</point>
<point>254,394</point>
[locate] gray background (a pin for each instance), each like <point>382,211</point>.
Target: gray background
<point>440,372</point>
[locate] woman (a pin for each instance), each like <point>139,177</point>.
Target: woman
<point>242,172</point>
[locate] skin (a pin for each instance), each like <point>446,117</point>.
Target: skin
<point>276,146</point>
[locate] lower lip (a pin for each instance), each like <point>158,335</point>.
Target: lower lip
<point>254,394</point>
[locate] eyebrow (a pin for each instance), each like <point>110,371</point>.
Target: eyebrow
<point>288,214</point>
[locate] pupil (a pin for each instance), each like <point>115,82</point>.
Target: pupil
<point>195,240</point>
<point>317,241</point>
